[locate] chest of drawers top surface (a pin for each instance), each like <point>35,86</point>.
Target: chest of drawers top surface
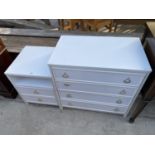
<point>32,61</point>
<point>122,53</point>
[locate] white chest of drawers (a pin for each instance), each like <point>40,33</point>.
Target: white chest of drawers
<point>30,75</point>
<point>98,73</point>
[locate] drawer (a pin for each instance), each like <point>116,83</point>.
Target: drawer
<point>36,91</point>
<point>39,99</point>
<point>97,88</point>
<point>32,82</point>
<point>98,76</point>
<point>94,106</point>
<point>92,97</point>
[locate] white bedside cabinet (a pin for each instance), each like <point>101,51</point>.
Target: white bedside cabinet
<point>30,75</point>
<point>99,73</point>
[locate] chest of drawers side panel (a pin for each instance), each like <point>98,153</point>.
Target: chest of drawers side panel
<point>133,103</point>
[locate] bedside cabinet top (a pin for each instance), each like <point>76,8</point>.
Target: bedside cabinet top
<point>122,53</point>
<point>32,61</point>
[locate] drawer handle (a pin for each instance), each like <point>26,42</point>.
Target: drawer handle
<point>123,92</point>
<point>116,109</point>
<point>69,95</point>
<point>40,100</point>
<point>65,75</point>
<point>35,92</point>
<point>128,80</point>
<point>119,101</point>
<point>66,84</point>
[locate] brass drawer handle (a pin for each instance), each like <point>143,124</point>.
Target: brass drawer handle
<point>66,84</point>
<point>65,75</point>
<point>128,80</point>
<point>69,95</point>
<point>40,100</point>
<point>35,92</point>
<point>123,92</point>
<point>119,101</point>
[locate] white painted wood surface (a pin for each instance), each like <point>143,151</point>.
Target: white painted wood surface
<point>94,106</point>
<point>31,62</point>
<point>99,76</point>
<point>100,52</point>
<point>94,97</point>
<point>86,62</point>
<point>97,88</point>
<point>30,75</point>
<point>92,73</point>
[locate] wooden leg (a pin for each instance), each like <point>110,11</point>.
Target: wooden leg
<point>139,108</point>
<point>81,25</point>
<point>61,24</point>
<point>115,27</point>
<point>110,26</point>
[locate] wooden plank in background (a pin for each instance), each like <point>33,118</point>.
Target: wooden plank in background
<point>24,23</point>
<point>132,21</point>
<point>16,39</point>
<point>57,34</point>
<point>14,44</point>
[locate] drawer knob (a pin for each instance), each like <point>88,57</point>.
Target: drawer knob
<point>40,100</point>
<point>66,84</point>
<point>119,101</point>
<point>69,95</point>
<point>35,92</point>
<point>65,75</point>
<point>122,92</point>
<point>128,80</point>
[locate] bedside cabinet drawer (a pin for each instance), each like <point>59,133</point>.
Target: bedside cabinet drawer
<point>114,100</point>
<point>94,106</point>
<point>128,79</point>
<point>39,99</point>
<point>36,91</point>
<point>96,88</point>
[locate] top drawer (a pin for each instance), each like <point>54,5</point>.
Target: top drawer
<point>130,79</point>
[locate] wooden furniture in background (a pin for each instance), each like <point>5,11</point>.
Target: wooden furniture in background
<point>148,91</point>
<point>16,39</point>
<point>85,24</point>
<point>116,22</point>
<point>97,24</point>
<point>6,88</point>
<point>150,29</point>
<point>71,24</point>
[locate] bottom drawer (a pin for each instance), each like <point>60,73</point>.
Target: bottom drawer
<point>39,99</point>
<point>94,106</point>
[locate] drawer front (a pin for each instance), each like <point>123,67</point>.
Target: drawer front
<point>39,99</point>
<point>94,107</point>
<point>32,82</point>
<point>97,88</point>
<point>92,76</point>
<point>103,99</point>
<point>36,91</point>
